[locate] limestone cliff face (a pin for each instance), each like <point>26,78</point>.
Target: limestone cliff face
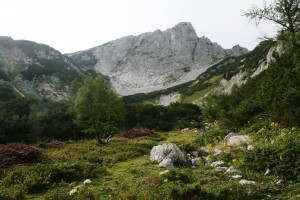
<point>153,61</point>
<point>241,78</point>
<point>35,69</point>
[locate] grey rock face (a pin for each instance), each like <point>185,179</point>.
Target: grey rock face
<point>237,80</point>
<point>237,51</point>
<point>153,61</point>
<point>35,69</point>
<point>166,155</point>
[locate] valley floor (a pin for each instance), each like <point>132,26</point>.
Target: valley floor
<point>122,170</point>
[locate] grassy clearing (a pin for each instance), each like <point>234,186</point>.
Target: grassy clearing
<point>122,170</point>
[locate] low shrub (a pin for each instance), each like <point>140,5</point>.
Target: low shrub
<point>279,153</point>
<point>42,176</point>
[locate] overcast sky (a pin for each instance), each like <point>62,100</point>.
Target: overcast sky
<point>74,25</point>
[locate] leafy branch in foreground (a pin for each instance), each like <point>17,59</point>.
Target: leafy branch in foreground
<point>285,13</point>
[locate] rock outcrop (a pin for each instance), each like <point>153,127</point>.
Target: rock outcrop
<point>154,61</point>
<point>166,155</point>
<point>35,69</point>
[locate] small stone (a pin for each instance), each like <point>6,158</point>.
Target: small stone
<point>194,153</point>
<point>207,159</point>
<point>79,187</point>
<point>87,181</point>
<point>196,161</point>
<point>164,172</point>
<point>204,150</point>
<point>237,176</point>
<point>268,171</point>
<point>221,169</point>
<point>250,147</point>
<point>217,163</point>
<point>279,182</point>
<point>72,184</point>
<point>217,151</point>
<point>246,182</point>
<point>73,191</point>
<point>185,130</point>
<point>231,170</point>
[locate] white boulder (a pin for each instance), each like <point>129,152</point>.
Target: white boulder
<point>232,139</point>
<point>166,155</point>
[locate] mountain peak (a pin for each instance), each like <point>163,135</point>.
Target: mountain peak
<point>152,61</point>
<point>184,24</point>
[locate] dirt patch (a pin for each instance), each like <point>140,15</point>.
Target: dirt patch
<point>18,154</point>
<point>133,133</point>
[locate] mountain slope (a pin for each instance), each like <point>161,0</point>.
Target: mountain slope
<point>35,69</point>
<point>154,61</point>
<point>221,77</point>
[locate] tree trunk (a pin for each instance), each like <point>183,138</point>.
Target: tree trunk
<point>99,139</point>
<point>107,139</point>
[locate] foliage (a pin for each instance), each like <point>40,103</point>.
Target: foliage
<point>210,137</point>
<point>97,107</point>
<point>42,176</point>
<point>61,193</point>
<point>277,150</point>
<point>260,96</point>
<point>7,93</point>
<point>3,74</point>
<point>174,116</point>
<point>122,170</point>
<point>28,120</point>
<point>15,116</point>
<point>57,121</point>
<point>57,67</point>
<point>282,12</point>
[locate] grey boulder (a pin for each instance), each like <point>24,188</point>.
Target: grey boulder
<point>233,139</point>
<point>166,155</point>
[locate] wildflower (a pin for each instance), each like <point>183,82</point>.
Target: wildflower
<point>274,124</point>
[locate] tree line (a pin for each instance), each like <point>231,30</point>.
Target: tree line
<point>94,110</point>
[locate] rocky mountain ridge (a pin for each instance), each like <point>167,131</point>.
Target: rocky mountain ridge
<point>36,69</point>
<point>154,61</point>
<point>133,64</point>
